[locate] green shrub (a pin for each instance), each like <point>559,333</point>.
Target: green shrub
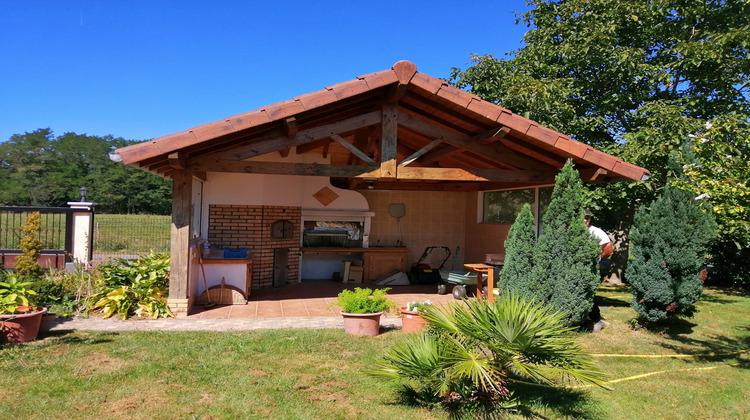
<point>565,273</point>
<point>133,288</point>
<point>15,291</point>
<point>473,353</point>
<point>31,248</point>
<point>670,244</point>
<point>364,301</point>
<point>519,254</point>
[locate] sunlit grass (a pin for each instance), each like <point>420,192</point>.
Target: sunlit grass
<point>318,374</point>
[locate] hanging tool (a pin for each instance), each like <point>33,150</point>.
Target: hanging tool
<point>205,283</point>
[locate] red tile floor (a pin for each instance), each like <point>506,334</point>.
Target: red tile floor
<point>309,299</point>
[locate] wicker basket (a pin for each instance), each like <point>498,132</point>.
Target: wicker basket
<point>222,294</point>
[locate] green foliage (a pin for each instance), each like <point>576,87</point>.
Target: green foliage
<point>31,247</point>
<point>565,273</point>
<point>670,245</point>
<point>64,293</point>
<point>468,360</point>
<point>133,288</point>
<point>39,169</point>
<point>364,301</point>
<point>634,78</point>
<point>519,254</point>
<point>14,292</point>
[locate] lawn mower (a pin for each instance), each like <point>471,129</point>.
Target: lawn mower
<point>422,273</point>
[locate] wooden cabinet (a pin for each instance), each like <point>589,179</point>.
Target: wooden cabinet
<point>379,263</point>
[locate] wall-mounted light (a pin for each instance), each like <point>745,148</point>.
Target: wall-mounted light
<point>371,185</point>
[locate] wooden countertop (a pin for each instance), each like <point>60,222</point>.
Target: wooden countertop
<point>367,250</point>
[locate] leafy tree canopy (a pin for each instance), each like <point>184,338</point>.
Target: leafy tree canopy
<point>632,77</point>
<point>39,169</point>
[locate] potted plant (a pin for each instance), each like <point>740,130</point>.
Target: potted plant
<point>362,308</point>
<point>411,316</point>
<point>19,320</point>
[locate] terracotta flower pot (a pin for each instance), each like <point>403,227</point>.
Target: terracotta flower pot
<point>21,328</point>
<point>411,321</point>
<point>362,324</point>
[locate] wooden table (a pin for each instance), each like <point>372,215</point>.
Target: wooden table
<point>481,269</point>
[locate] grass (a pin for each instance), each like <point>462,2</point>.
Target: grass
<point>702,371</point>
<point>131,233</point>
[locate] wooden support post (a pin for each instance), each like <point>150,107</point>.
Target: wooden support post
<point>182,182</point>
<point>389,143</point>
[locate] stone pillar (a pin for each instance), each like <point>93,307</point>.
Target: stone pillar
<point>83,231</point>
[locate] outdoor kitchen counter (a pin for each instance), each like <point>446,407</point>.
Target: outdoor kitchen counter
<point>378,261</point>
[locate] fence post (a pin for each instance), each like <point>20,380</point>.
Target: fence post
<point>83,231</point>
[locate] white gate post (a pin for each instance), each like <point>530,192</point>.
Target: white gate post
<point>83,231</point>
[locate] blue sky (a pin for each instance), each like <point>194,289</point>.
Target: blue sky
<point>142,69</point>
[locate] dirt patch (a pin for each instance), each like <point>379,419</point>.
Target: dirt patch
<point>100,363</point>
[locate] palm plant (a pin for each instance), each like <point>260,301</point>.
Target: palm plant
<point>473,352</point>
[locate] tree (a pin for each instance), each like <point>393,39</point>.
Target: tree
<point>471,355</point>
<point>715,167</point>
<point>43,170</point>
<point>519,254</point>
<point>565,273</point>
<point>671,243</point>
<point>631,77</point>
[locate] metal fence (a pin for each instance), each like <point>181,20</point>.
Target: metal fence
<point>130,235</point>
<point>56,234</point>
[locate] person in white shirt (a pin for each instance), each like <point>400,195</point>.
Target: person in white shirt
<point>602,239</point>
<point>606,245</point>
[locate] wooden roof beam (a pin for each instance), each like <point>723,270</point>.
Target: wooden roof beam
<point>476,175</point>
<point>492,151</point>
<point>271,143</point>
<point>350,147</point>
<point>285,168</point>
<point>419,153</point>
<point>491,135</point>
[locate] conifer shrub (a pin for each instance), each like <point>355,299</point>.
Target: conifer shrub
<point>670,245</point>
<point>565,273</point>
<point>31,248</point>
<point>519,254</point>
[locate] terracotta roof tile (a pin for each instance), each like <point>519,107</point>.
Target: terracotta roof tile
<point>316,99</point>
<point>137,152</point>
<point>430,84</point>
<point>248,119</point>
<point>405,71</point>
<point>455,95</point>
<point>629,170</point>
<point>513,121</point>
<point>572,147</point>
<point>349,88</point>
<point>212,130</point>
<point>600,159</point>
<point>379,79</point>
<point>484,108</point>
<point>281,110</point>
<point>176,141</point>
<point>543,134</point>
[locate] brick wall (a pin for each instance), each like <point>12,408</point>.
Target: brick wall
<point>240,226</point>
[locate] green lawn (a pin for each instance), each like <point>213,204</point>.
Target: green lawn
<point>702,371</point>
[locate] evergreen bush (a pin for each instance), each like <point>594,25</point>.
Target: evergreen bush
<point>565,271</point>
<point>519,254</point>
<point>670,245</point>
<point>31,248</point>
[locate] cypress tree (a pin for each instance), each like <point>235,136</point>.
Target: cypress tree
<point>519,254</point>
<point>565,262</point>
<point>31,248</point>
<point>670,243</point>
